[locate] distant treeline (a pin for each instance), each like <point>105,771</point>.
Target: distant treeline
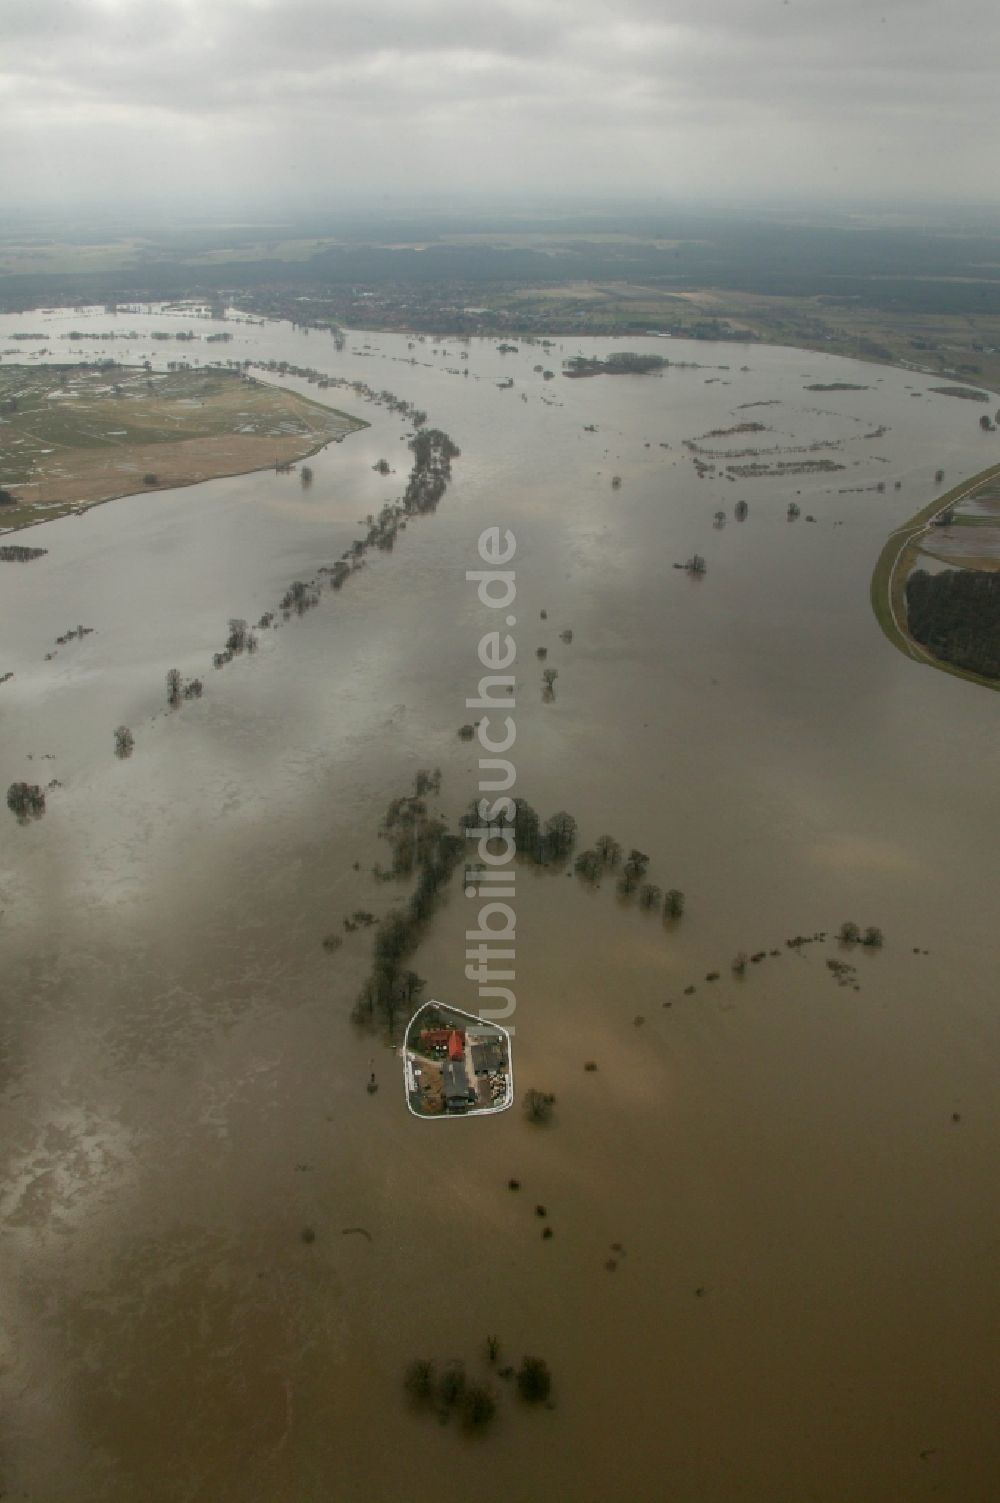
<point>942,269</point>
<point>956,616</point>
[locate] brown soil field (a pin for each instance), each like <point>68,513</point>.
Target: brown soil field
<point>78,478</point>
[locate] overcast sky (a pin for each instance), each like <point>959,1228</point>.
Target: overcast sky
<point>311,98</point>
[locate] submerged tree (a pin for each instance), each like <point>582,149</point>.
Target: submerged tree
<point>424,844</point>
<point>673,903</point>
<point>560,835</point>
<point>124,741</point>
<point>237,639</point>
<point>173,687</point>
<point>527,830</point>
<point>534,1381</point>
<point>478,1407</point>
<point>26,801</point>
<point>451,1385</point>
<point>419,1380</point>
<point>608,849</point>
<point>538,1105</point>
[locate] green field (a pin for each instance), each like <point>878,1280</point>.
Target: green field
<point>74,435</point>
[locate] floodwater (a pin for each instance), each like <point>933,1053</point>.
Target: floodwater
<point>801,1175</point>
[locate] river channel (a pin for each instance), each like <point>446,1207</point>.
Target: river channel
<point>800,1175</point>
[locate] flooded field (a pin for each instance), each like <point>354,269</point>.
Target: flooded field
<point>799,1175</point>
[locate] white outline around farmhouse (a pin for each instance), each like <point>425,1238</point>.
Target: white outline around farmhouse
<point>455,1064</point>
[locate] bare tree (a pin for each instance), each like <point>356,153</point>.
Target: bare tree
<point>608,849</point>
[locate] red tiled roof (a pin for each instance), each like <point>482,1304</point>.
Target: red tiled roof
<point>435,1035</point>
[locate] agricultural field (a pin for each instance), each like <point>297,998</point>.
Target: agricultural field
<point>73,436</point>
<point>956,344</point>
<point>972,538</point>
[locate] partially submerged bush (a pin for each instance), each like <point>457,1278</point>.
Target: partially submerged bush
<point>26,800</point>
<point>534,1381</point>
<point>478,1407</point>
<point>419,1380</point>
<point>538,1105</point>
<point>451,1385</point>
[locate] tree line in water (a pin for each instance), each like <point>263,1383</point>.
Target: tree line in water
<point>422,844</point>
<point>433,451</point>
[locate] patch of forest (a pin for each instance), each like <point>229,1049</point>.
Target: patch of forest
<point>956,616</point>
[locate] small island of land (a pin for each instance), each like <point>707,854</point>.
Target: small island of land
<point>625,363</point>
<point>73,436</point>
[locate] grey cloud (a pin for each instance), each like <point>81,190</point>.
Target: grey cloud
<point>558,91</point>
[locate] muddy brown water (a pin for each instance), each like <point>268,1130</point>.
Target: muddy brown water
<point>182,1091</point>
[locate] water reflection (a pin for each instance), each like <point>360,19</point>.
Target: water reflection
<point>184,1095</point>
